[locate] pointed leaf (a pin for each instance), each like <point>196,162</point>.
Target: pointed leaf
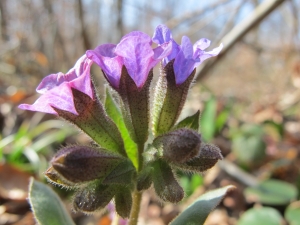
<point>46,205</point>
<point>114,113</point>
<point>191,122</point>
<point>197,213</point>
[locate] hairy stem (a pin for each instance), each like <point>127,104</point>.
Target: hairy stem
<point>137,196</point>
<point>140,157</point>
<point>135,210</point>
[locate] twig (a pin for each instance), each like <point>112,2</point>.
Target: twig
<point>235,172</point>
<point>239,31</point>
<point>172,23</point>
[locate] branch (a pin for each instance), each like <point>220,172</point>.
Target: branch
<point>239,31</point>
<point>190,15</point>
<point>86,41</point>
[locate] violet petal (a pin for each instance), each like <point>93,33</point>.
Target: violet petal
<point>184,63</point>
<point>108,61</point>
<point>206,55</point>
<point>60,97</point>
<point>137,57</point>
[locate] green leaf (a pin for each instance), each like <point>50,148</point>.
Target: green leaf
<point>197,213</point>
<point>292,213</point>
<point>191,122</point>
<point>114,113</point>
<point>208,119</point>
<point>221,119</point>
<point>46,205</point>
<point>248,145</point>
<point>261,216</point>
<point>272,192</point>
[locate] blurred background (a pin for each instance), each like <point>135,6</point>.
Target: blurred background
<point>248,96</point>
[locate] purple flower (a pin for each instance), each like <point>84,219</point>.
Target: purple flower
<point>56,89</point>
<point>134,52</point>
<point>187,56</point>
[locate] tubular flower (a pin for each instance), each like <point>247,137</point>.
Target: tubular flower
<point>187,56</point>
<point>56,89</point>
<point>134,52</point>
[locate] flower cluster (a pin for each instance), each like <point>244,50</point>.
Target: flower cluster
<point>110,169</point>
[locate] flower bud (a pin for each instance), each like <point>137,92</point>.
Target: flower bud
<point>83,163</point>
<point>180,145</point>
<point>54,177</point>
<point>208,157</point>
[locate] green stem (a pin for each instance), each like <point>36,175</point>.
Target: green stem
<point>137,196</point>
<point>140,157</point>
<point>135,210</point>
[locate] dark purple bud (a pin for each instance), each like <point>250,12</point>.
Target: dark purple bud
<point>54,177</point>
<point>208,157</point>
<point>179,146</point>
<point>83,163</point>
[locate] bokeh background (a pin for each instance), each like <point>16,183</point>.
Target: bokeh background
<point>248,96</point>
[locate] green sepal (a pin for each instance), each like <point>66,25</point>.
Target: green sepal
<point>169,99</point>
<point>165,184</point>
<point>93,120</point>
<point>78,164</point>
<point>93,197</point>
<point>46,205</point>
<point>191,122</point>
<point>144,178</point>
<point>115,114</point>
<point>209,155</point>
<point>124,174</point>
<point>123,202</point>
<point>135,107</point>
